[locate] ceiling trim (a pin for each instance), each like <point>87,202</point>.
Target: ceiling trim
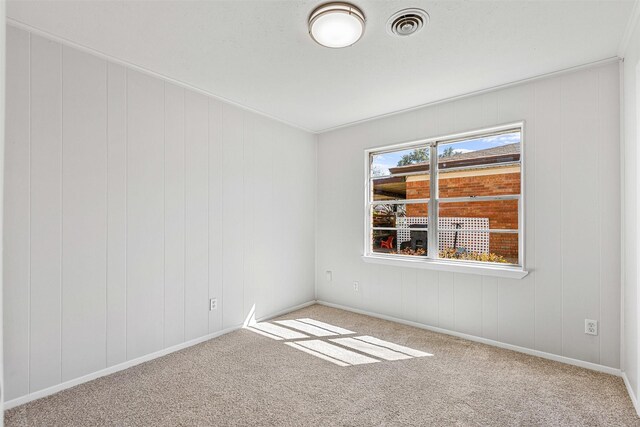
<point>628,31</point>
<point>26,27</point>
<point>479,92</point>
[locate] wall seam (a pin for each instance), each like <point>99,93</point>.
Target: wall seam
<point>535,205</point>
<point>126,208</point>
<point>244,200</point>
<point>106,278</point>
<point>29,222</point>
<point>209,214</point>
<point>599,179</point>
<point>61,201</point>
<point>184,206</point>
<point>561,214</point>
<point>623,251</point>
<point>221,210</point>
<point>164,213</point>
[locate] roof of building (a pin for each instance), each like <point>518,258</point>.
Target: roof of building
<point>501,154</point>
<point>494,151</point>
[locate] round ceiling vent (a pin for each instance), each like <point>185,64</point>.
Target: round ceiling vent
<point>407,22</point>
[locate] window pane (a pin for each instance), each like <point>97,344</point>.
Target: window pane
<point>412,242</point>
<point>463,230</point>
<point>400,175</point>
<point>386,215</point>
<point>472,246</point>
<point>480,167</point>
<point>384,241</point>
<point>490,214</point>
<point>401,161</point>
<point>412,237</point>
<point>390,188</point>
<point>410,234</point>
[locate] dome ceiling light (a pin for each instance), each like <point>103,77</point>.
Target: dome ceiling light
<point>336,25</point>
<point>407,22</point>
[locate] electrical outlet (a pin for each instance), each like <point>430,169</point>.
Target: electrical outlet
<point>356,286</point>
<point>329,275</point>
<point>590,327</point>
<point>213,304</point>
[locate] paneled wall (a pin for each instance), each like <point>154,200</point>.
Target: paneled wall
<point>572,232</point>
<point>129,203</point>
<point>630,236</point>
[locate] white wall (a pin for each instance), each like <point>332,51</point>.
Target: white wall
<point>2,122</point>
<point>129,203</point>
<point>631,95</point>
<point>572,206</point>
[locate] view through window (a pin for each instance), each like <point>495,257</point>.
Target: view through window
<point>475,203</point>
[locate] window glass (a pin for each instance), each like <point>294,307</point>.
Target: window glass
<point>488,166</point>
<point>478,204</point>
<point>400,229</point>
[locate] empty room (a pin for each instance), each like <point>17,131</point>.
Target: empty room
<point>312,213</point>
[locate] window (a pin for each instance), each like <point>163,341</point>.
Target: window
<point>470,218</point>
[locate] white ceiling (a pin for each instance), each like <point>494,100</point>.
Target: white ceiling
<point>258,53</point>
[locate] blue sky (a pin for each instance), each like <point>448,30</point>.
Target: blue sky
<point>389,160</point>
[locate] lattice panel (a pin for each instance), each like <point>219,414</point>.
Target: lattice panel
<point>403,223</point>
<point>477,241</point>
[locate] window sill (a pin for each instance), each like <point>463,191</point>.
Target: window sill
<point>433,264</point>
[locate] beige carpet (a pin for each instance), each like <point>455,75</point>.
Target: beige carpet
<point>247,378</point>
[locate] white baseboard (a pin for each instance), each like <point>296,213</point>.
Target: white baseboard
<point>129,363</point>
<point>632,394</point>
<point>544,355</point>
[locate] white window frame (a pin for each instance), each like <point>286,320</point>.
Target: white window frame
<point>432,261</point>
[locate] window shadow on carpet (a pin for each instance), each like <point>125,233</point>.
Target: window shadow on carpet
<point>333,343</point>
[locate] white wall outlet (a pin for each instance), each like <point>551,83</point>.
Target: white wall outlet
<point>590,327</point>
<point>356,286</point>
<point>213,304</point>
<point>329,275</point>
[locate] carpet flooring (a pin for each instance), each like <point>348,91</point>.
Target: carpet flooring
<point>375,373</point>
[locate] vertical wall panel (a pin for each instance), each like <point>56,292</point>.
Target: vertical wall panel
<point>467,294</point>
<point>232,204</point>
<point>117,215</point>
<point>215,213</point>
<point>263,225</point>
<point>46,212</point>
<point>174,216</point>
<point>609,196</point>
<point>281,188</point>
<point>299,238</point>
<point>305,236</point>
<point>370,290</point>
<point>328,196</point>
<point>84,204</point>
<point>548,211</point>
<point>409,292</point>
<point>580,208</point>
<point>516,312</point>
<point>248,213</point>
<point>16,217</point>
<point>489,307</point>
<point>427,297</point>
<point>446,302</point>
<point>145,214</point>
<point>197,215</point>
<point>390,302</point>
